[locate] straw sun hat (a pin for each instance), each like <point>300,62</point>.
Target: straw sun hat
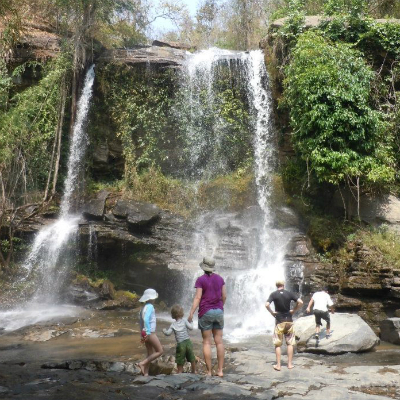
<point>149,294</point>
<point>207,265</point>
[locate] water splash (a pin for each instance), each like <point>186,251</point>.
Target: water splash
<point>49,261</point>
<point>248,249</point>
<point>92,245</point>
<point>204,127</point>
<point>78,144</point>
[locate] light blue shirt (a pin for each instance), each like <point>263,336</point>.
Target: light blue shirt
<point>147,318</point>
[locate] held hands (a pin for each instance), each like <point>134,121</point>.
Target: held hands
<point>144,338</point>
<point>190,318</point>
<point>308,311</point>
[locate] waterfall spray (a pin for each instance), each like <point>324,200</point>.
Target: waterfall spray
<point>248,249</point>
<point>48,262</point>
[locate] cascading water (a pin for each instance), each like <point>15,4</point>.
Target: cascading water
<point>48,260</point>
<point>248,249</point>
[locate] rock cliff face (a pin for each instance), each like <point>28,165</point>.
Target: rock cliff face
<point>37,42</point>
<point>362,284</point>
<point>143,246</point>
<point>167,56</point>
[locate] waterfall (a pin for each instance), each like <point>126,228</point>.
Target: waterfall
<point>248,248</point>
<point>48,261</point>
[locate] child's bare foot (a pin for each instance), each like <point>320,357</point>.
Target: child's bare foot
<point>277,367</point>
<point>220,374</point>
<point>142,369</point>
<point>291,366</point>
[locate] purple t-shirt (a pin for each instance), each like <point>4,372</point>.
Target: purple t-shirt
<point>211,298</point>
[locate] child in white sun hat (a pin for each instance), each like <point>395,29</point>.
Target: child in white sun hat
<point>147,318</point>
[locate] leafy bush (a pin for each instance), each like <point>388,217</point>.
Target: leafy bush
<point>28,122</point>
<point>327,88</point>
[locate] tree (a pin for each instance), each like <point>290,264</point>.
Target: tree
<point>335,130</point>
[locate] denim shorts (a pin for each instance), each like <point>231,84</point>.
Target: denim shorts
<point>212,319</point>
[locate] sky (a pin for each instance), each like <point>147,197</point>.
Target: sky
<point>162,24</point>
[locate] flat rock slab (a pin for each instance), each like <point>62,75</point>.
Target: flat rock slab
<point>145,55</point>
<point>350,333</point>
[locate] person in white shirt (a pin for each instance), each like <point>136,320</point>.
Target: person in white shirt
<point>322,304</point>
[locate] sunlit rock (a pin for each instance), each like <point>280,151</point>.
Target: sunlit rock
<point>349,334</point>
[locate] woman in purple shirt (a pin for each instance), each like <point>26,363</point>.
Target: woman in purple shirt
<point>210,298</point>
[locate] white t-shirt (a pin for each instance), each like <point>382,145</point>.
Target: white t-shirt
<point>322,301</point>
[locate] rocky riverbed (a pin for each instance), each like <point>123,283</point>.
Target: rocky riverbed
<point>93,355</point>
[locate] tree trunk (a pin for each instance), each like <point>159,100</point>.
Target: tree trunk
<point>358,198</point>
<point>60,125</point>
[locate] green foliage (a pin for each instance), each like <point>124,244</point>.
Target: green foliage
<point>28,125</point>
<point>294,25</point>
<point>234,191</point>
<point>353,8</point>
<point>139,103</point>
<point>111,186</point>
<point>89,271</point>
<point>327,88</point>
<point>5,85</point>
<point>328,233</point>
<point>153,186</point>
<point>382,36</point>
<point>236,136</point>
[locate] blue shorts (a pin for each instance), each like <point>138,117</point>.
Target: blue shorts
<point>212,319</point>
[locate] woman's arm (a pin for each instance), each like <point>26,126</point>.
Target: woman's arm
<point>223,294</point>
<point>196,302</point>
<point>188,324</point>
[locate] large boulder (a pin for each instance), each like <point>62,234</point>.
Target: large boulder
<point>140,217</point>
<point>390,330</point>
<point>349,334</point>
<point>374,210</point>
<point>94,208</point>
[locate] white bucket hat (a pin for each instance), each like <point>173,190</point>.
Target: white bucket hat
<point>207,265</point>
<point>148,294</point>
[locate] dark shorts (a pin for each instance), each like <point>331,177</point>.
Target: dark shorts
<point>184,351</point>
<point>322,315</point>
<point>212,319</point>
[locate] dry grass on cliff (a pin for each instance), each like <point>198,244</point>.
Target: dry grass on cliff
<point>386,242</point>
<point>232,192</point>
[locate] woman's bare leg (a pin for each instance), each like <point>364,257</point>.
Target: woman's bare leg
<point>217,333</point>
<point>207,349</point>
